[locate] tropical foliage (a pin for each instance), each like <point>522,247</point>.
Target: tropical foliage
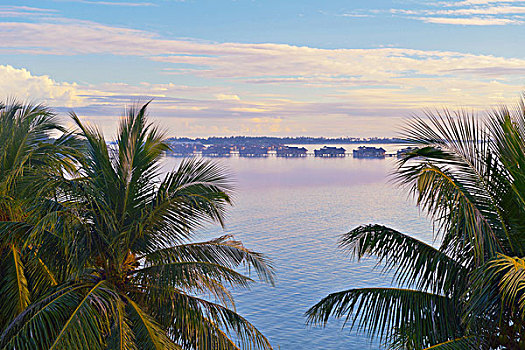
<point>98,245</point>
<point>27,155</point>
<point>469,292</point>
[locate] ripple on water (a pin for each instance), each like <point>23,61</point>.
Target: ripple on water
<point>294,211</point>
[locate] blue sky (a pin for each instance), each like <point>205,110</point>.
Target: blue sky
<point>222,67</point>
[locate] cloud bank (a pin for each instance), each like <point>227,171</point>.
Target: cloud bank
<point>267,88</point>
<point>465,13</point>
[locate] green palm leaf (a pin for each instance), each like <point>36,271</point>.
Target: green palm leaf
<point>415,263</point>
<point>14,286</point>
<point>74,316</point>
<point>463,343</point>
<point>199,323</point>
<point>506,276</point>
<point>224,251</point>
<point>467,173</point>
<point>380,311</point>
<point>191,275</point>
<point>148,333</point>
<point>106,251</point>
<point>196,193</point>
<point>121,336</point>
<point>123,233</point>
<point>456,177</point>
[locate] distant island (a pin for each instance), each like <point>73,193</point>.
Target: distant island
<point>264,146</point>
<point>276,141</point>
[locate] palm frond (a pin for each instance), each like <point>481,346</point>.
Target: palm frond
<point>507,273</point>
<point>456,177</point>
<point>508,137</point>
<point>466,220</point>
<point>14,286</point>
<point>193,275</point>
<point>201,324</point>
<point>462,343</point>
<point>379,311</point>
<point>121,336</point>
<point>73,316</point>
<point>415,263</point>
<point>224,251</point>
<point>405,338</point>
<point>97,229</point>
<point>148,333</point>
<point>195,194</point>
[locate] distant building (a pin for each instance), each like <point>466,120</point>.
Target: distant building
<point>184,149</point>
<point>369,152</point>
<point>401,153</point>
<point>216,151</point>
<point>287,151</point>
<point>330,152</point>
<point>253,151</point>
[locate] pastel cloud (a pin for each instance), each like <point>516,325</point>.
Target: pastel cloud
<point>492,10</point>
<point>468,12</point>
<point>227,97</point>
<point>26,12</point>
<point>477,2</point>
<point>238,60</point>
<point>471,21</point>
<point>483,13</point>
<point>22,84</point>
<point>103,103</point>
<point>284,88</point>
<point>113,3</point>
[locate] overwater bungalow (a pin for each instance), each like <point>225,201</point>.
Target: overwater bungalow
<point>404,151</point>
<point>369,152</point>
<point>330,152</point>
<point>184,149</point>
<point>253,151</point>
<point>216,151</point>
<point>288,151</point>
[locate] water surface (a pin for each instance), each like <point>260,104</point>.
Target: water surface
<point>294,210</point>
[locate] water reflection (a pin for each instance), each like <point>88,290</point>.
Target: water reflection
<point>294,210</point>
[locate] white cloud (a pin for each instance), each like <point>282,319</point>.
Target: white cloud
<point>25,8</point>
<point>258,62</point>
<point>113,3</point>
<point>470,21</point>
<point>227,97</point>
<point>478,2</point>
<point>26,12</point>
<point>283,87</point>
<point>227,115</point>
<point>469,12</point>
<point>20,83</point>
<point>492,10</point>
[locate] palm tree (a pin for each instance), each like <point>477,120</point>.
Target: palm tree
<point>470,291</point>
<point>27,154</point>
<point>134,277</point>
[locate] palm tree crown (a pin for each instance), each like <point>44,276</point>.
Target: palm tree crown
<point>131,276</point>
<point>470,291</point>
<point>28,154</point>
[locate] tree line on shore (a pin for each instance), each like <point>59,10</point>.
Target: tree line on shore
<point>279,141</point>
<point>97,247</point>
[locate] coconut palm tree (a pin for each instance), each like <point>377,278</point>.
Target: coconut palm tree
<point>135,279</point>
<point>469,292</point>
<point>27,155</point>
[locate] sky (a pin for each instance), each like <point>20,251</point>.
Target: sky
<point>263,67</point>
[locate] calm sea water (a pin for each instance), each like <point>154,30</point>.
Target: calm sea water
<point>294,210</point>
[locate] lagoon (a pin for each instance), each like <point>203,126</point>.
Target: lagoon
<point>293,210</point>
